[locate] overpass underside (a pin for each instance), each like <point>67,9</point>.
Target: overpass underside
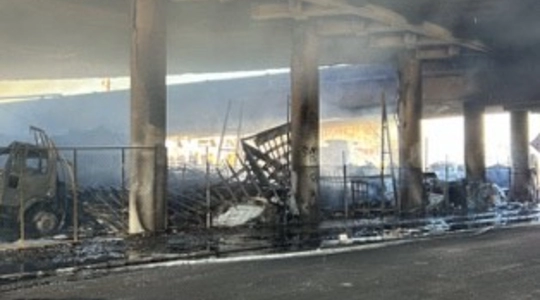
<point>317,32</point>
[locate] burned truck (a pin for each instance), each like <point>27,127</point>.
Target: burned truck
<point>34,181</point>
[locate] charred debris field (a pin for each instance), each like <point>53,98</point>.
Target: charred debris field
<point>231,209</point>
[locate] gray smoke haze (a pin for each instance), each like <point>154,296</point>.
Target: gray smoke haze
<point>510,71</point>
<point>102,119</point>
<point>197,109</point>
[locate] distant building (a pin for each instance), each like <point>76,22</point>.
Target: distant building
<point>358,139</point>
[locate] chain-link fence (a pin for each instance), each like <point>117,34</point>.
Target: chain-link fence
<point>71,192</point>
<point>85,192</point>
<point>357,196</point>
<point>82,192</point>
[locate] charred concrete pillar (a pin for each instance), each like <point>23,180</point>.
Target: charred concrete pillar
<point>305,122</point>
<point>519,135</point>
<point>148,166</point>
<point>410,133</point>
<point>475,166</point>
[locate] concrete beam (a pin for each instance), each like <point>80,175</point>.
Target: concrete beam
<point>371,19</point>
<point>272,11</point>
<point>475,155</point>
<point>519,135</point>
<point>410,145</point>
<point>148,166</point>
<point>305,118</point>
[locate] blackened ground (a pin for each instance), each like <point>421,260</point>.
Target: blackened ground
<point>48,255</point>
<point>503,264</point>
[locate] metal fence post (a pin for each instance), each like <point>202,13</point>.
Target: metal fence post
<point>75,198</point>
<point>446,186</point>
<point>124,199</point>
<point>208,213</point>
<point>345,202</point>
<point>20,185</point>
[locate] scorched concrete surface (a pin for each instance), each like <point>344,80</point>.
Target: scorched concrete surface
<point>501,264</point>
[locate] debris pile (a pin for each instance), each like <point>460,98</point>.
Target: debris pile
<point>103,209</point>
<point>261,172</point>
<point>254,189</point>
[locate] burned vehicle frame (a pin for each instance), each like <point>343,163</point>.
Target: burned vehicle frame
<point>33,187</point>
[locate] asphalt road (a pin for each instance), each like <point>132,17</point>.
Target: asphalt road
<point>495,265</point>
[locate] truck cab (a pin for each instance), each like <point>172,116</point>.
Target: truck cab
<point>33,196</point>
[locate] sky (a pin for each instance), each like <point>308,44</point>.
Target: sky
<point>445,138</point>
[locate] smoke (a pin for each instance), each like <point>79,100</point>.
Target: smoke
<point>195,109</point>
<point>199,108</point>
<point>509,72</point>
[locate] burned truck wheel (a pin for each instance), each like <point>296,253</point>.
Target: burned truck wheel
<point>41,221</point>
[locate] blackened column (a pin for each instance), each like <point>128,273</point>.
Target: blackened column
<point>475,153</point>
<point>305,122</point>
<point>519,135</point>
<point>410,133</point>
<point>148,167</point>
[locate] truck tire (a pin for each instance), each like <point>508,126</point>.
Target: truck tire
<point>41,221</point>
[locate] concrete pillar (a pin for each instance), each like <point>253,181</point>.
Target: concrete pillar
<point>305,122</point>
<point>410,133</point>
<point>519,135</point>
<point>148,167</point>
<point>475,166</point>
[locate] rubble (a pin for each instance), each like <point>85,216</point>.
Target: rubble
<point>254,192</point>
<point>46,255</point>
<point>241,214</point>
<point>261,173</point>
<point>481,196</point>
<point>436,226</point>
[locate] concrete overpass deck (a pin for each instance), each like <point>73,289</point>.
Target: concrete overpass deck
<point>66,39</point>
